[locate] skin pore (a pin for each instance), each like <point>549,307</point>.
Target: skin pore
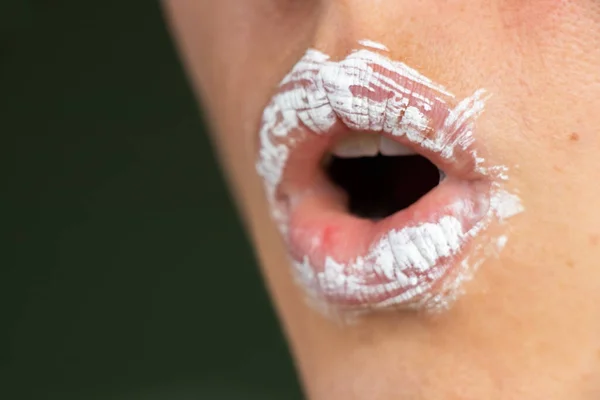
<point>527,326</point>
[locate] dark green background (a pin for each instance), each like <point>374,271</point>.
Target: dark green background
<point>122,235</point>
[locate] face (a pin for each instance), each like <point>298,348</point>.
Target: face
<point>418,179</point>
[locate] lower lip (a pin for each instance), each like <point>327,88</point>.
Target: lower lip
<point>403,260</point>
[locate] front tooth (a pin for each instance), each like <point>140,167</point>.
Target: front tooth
<point>357,145</point>
<point>389,147</point>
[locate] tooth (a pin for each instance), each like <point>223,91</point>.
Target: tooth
<point>357,145</point>
<point>389,147</point>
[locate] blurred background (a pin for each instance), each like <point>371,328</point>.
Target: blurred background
<point>121,231</point>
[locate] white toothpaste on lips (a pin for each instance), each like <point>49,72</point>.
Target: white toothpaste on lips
<point>318,93</point>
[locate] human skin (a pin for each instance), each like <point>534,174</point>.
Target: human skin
<point>528,324</point>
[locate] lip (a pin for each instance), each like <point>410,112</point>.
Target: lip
<point>413,258</point>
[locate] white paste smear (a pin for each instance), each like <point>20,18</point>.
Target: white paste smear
<point>316,94</point>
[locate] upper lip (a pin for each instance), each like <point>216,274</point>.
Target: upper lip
<point>391,104</point>
<point>321,101</point>
<point>307,115</point>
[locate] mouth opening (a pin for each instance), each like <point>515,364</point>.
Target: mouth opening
<point>379,186</point>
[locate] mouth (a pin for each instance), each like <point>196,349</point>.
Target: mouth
<point>376,182</point>
<point>379,176</point>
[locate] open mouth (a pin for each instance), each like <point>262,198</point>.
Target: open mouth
<point>367,229</point>
<point>375,180</point>
<point>378,175</point>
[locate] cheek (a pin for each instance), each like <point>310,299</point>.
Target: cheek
<point>548,131</point>
<point>544,122</point>
<point>533,14</point>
